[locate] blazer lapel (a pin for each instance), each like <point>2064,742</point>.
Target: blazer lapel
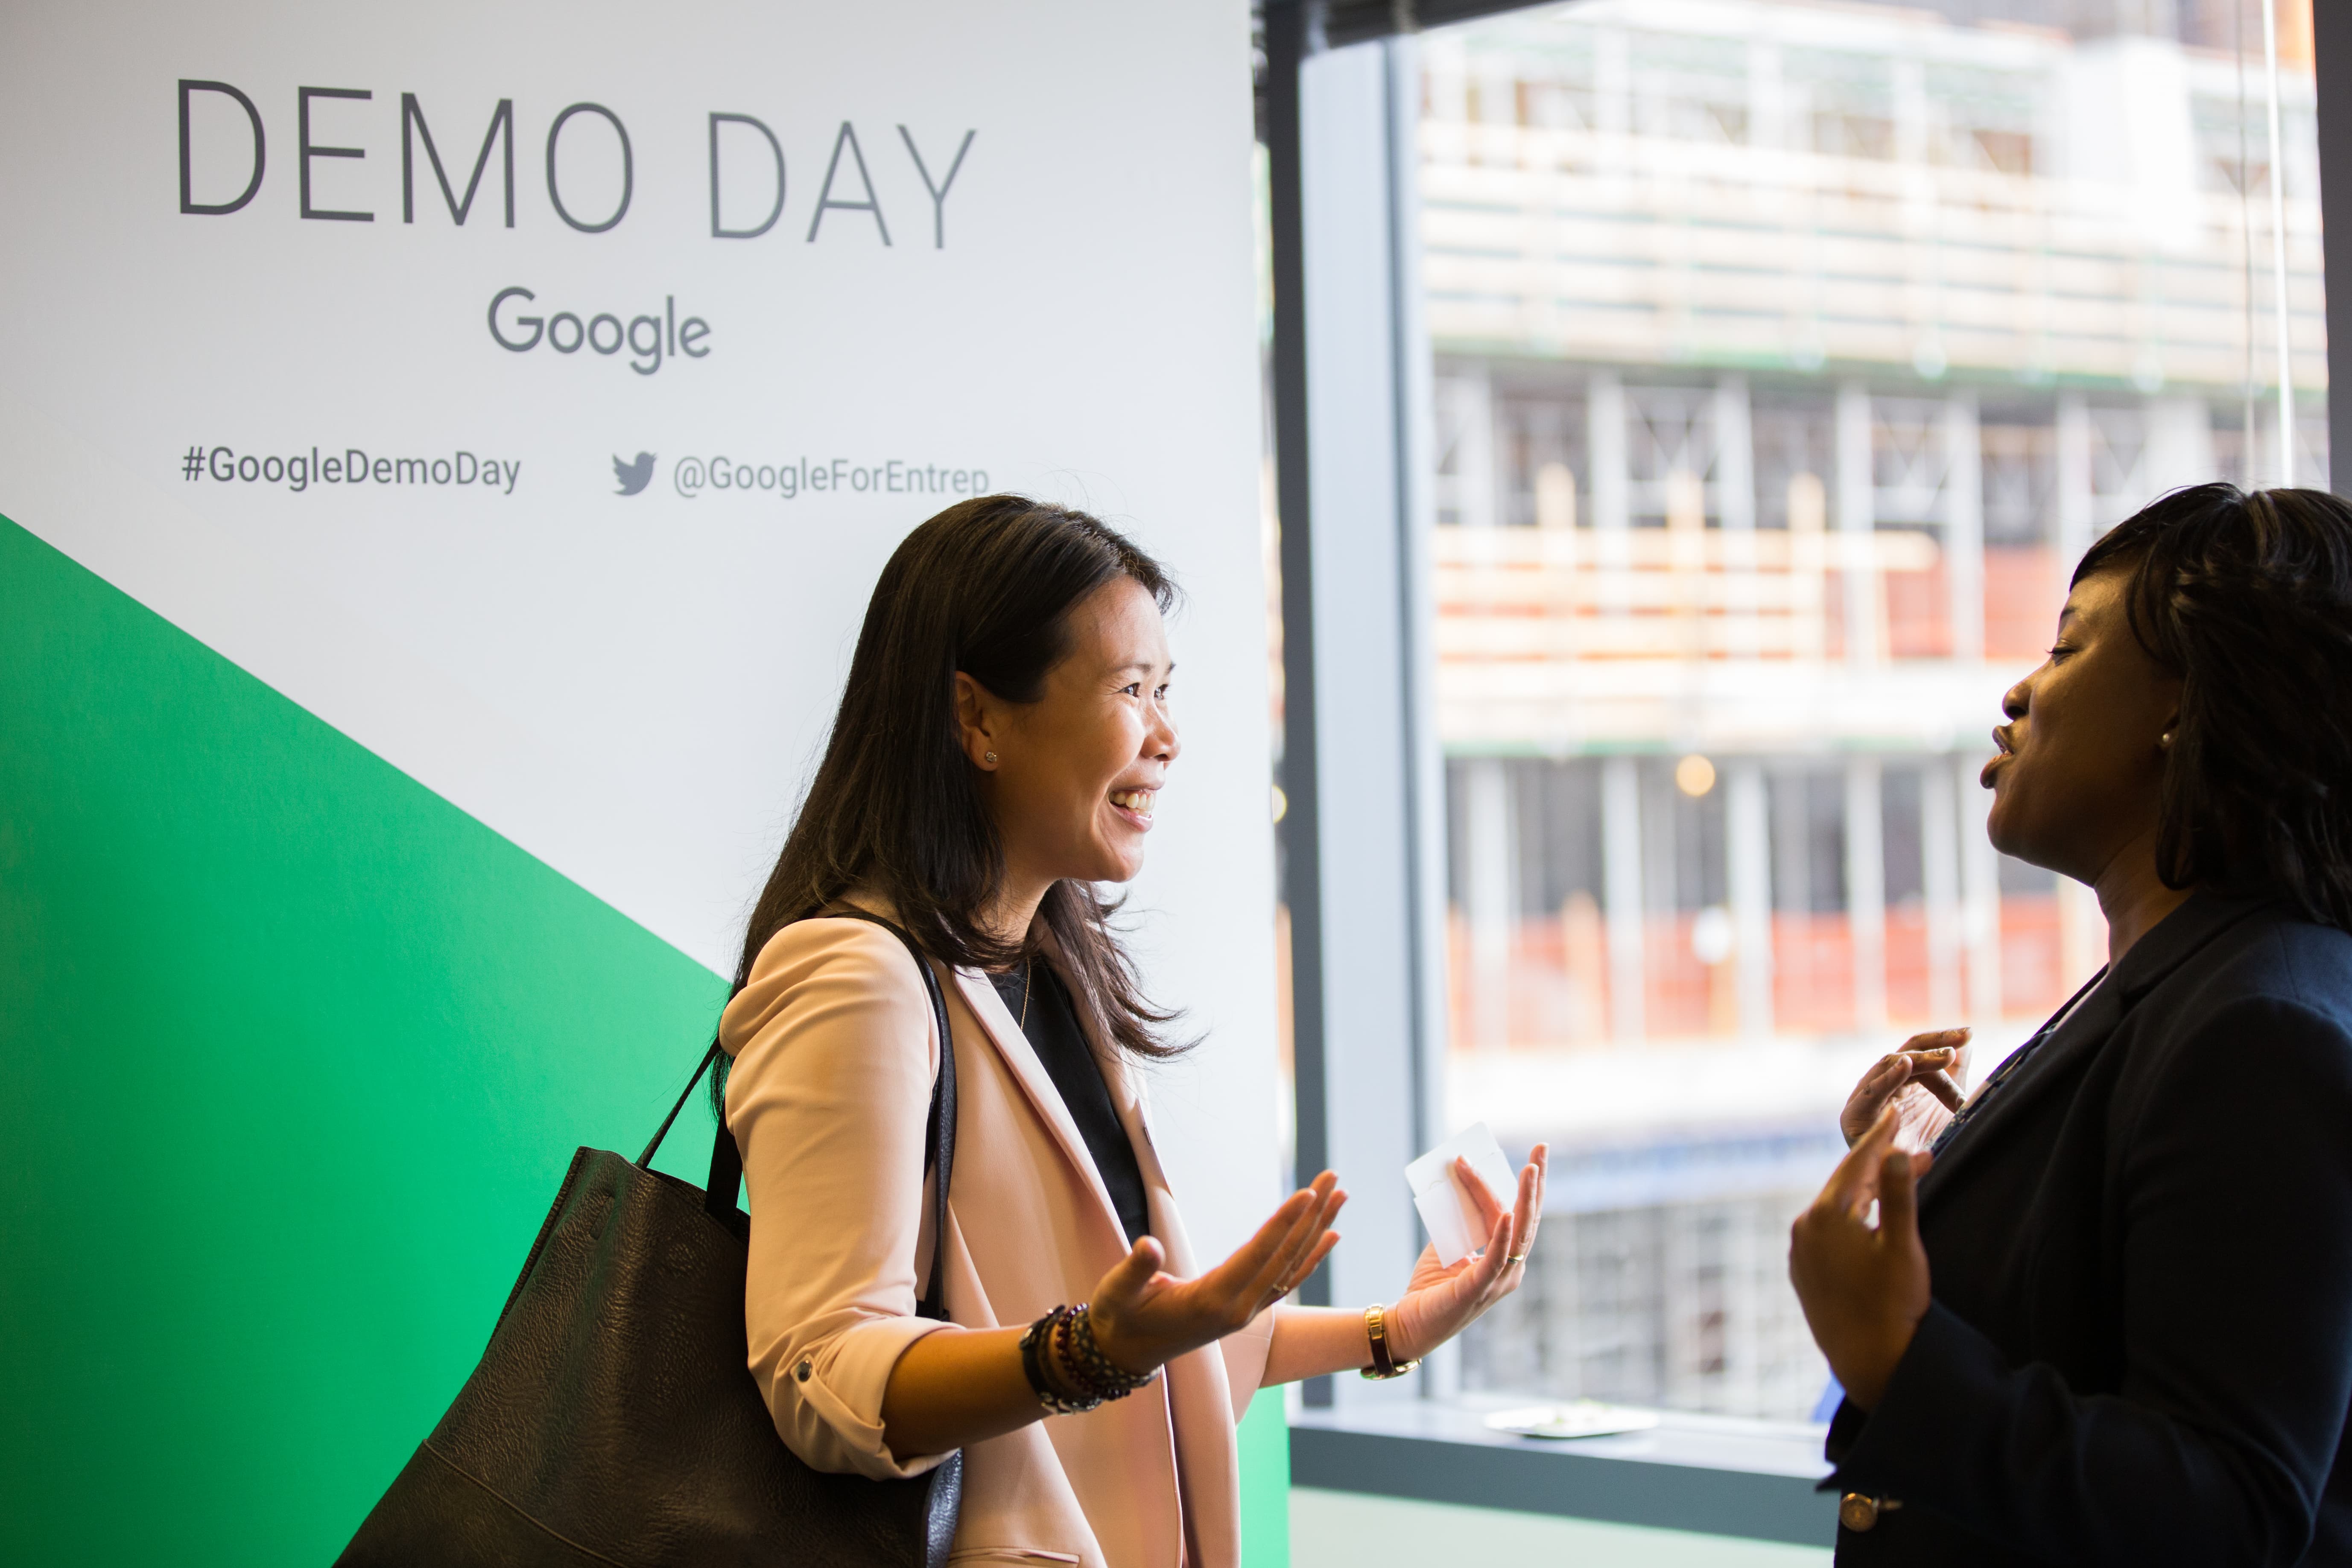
<point>1004,1033</point>
<point>1135,1115</point>
<point>2079,1036</point>
<point>1126,1097</point>
<point>2174,940</point>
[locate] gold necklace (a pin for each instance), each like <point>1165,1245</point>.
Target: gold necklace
<point>1028,971</point>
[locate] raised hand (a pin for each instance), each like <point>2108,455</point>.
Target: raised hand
<point>960,1386</point>
<point>1864,1288</point>
<point>1144,1317</point>
<point>1922,1082</point>
<point>1439,1302</point>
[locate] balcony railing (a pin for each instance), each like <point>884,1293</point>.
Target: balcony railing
<point>1571,637</point>
<point>1589,245</point>
<point>1679,591</point>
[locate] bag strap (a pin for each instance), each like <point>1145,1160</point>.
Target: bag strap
<point>662,1131</point>
<point>938,1153</point>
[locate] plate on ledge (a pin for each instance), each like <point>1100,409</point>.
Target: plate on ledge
<point>1582,1419</point>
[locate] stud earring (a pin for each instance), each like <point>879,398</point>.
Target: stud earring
<point>2164,739</point>
<point>992,756</point>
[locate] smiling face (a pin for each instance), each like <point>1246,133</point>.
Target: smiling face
<point>1075,773</point>
<point>2082,753</point>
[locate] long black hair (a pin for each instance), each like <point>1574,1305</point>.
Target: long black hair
<point>2247,599</point>
<point>986,588</point>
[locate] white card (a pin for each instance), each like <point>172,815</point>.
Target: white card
<point>1446,1211</point>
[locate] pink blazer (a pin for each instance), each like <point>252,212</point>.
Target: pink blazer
<point>835,1051</point>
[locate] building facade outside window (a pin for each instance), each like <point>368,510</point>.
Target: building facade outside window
<point>1787,357</point>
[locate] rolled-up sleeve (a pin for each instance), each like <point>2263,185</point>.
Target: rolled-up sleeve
<point>833,1049</point>
<point>1246,1351</point>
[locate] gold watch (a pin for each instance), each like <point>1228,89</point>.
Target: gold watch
<point>1376,1331</point>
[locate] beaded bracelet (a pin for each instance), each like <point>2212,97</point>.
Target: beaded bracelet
<point>1049,1390</point>
<point>1084,1358</point>
<point>1066,1368</point>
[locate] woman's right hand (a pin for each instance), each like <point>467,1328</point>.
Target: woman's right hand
<point>1923,1081</point>
<point>1144,1317</point>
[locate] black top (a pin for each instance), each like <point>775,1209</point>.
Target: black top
<point>1053,1029</point>
<point>2139,1349</point>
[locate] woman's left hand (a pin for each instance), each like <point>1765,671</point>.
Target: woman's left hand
<point>1864,1287</point>
<point>1439,1303</point>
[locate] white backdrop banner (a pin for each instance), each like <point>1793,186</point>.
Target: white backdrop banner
<point>533,391</point>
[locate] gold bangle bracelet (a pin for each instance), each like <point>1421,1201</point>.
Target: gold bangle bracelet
<point>1376,1331</point>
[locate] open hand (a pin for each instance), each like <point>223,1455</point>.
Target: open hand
<point>1439,1303</point>
<point>1144,1317</point>
<point>1922,1082</point>
<point>1863,1289</point>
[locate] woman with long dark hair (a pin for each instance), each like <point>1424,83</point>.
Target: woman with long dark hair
<point>2112,1323</point>
<point>999,751</point>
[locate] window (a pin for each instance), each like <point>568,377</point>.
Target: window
<point>1785,358</point>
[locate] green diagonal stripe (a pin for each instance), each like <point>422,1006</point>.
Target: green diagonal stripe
<point>292,1055</point>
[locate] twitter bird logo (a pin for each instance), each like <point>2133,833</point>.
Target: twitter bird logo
<point>633,477</point>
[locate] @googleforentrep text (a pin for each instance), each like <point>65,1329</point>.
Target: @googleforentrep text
<point>792,478</point>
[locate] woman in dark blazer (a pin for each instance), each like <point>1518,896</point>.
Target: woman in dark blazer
<point>2106,1316</point>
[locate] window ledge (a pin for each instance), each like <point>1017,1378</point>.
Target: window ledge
<point>1718,1475</point>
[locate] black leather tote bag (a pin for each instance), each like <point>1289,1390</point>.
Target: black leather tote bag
<point>613,1418</point>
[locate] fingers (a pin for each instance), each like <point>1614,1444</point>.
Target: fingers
<point>1854,1183</point>
<point>1157,1316</point>
<point>1941,1086</point>
<point>1132,1273</point>
<point>1314,1260</point>
<point>1283,1287</point>
<point>1440,1304</point>
<point>1872,1094</point>
<point>1935,1060</point>
<point>1476,1271</point>
<point>1898,1193</point>
<point>1309,1245</point>
<point>1295,1234</point>
<point>1482,1197</point>
<point>1251,1258</point>
<point>1491,1262</point>
<point>1930,1062</point>
<point>1937,1049</point>
<point>1880,1136</point>
<point>1529,1209</point>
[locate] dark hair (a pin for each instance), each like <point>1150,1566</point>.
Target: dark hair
<point>985,587</point>
<point>2247,598</point>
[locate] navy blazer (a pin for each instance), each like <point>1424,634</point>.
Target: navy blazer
<point>2140,1346</point>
